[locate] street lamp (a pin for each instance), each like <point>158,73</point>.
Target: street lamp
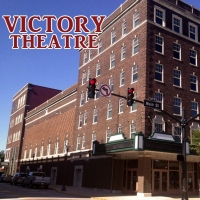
<point>67,149</point>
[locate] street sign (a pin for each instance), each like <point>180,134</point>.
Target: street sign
<point>105,90</point>
<point>152,104</point>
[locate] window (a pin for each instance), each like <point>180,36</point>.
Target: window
<point>159,98</point>
<point>134,73</point>
<point>159,72</point>
<point>178,133</point>
<point>177,77</point>
<point>136,20</point>
<point>98,69</point>
<point>84,78</point>
<point>35,152</point>
<point>112,60</point>
<point>85,57</point>
<point>135,46</point>
<point>42,150</point>
<point>80,121</point>
<point>85,117</point>
<point>177,51</point>
<point>159,44</point>
<point>134,106</point>
<point>78,143</point>
<point>193,31</point>
<point>119,129</point>
<point>95,115</point>
<point>66,143</point>
<point>30,153</point>
<point>25,152</point>
<point>48,149</point>
<point>83,142</point>
<point>88,74</point>
<point>121,105</point>
<point>100,47</point>
<point>193,57</point>
<point>122,78</point>
<point>97,93</point>
<point>177,106</point>
<point>158,124</point>
<point>90,54</point>
<point>194,108</point>
<point>108,134</point>
<point>111,83</point>
<point>109,112</point>
<point>93,138</point>
<point>82,99</point>
<point>113,36</point>
<point>177,24</point>
<point>86,96</point>
<point>132,130</point>
<point>124,28</point>
<point>159,16</point>
<point>56,148</point>
<point>123,53</point>
<point>158,128</point>
<point>193,83</point>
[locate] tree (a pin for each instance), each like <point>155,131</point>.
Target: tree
<point>196,141</point>
<point>2,155</point>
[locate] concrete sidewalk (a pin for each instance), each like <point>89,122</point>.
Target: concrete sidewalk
<point>98,194</point>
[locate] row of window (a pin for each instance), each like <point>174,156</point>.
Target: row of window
<point>177,23</point>
<point>14,137</point>
<point>113,38</point>
<point>159,47</point>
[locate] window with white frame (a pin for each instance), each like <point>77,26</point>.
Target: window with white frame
<point>134,106</point>
<point>158,124</point>
<point>193,83</point>
<point>122,77</point>
<point>83,78</point>
<point>80,121</point>
<point>113,36</point>
<point>78,143</point>
<point>98,69</point>
<point>108,134</point>
<point>177,77</point>
<point>135,46</point>
<point>123,53</point>
<point>159,98</point>
<point>85,59</point>
<point>42,150</point>
<point>177,105</point>
<point>95,115</point>
<point>66,143</point>
<point>112,60</point>
<point>177,51</point>
<point>194,108</point>
<point>100,47</point>
<point>159,45</point>
<point>158,128</point>
<point>159,72</point>
<point>193,31</point>
<point>124,28</point>
<point>132,130</point>
<point>111,84</point>
<point>136,19</point>
<point>97,93</point>
<point>159,15</point>
<point>30,153</point>
<point>134,73</point>
<point>177,24</point>
<point>94,137</point>
<point>35,152</point>
<point>86,96</point>
<point>90,54</point>
<point>25,152</point>
<point>177,132</point>
<point>83,142</point>
<point>109,111</point>
<point>193,57</point>
<point>85,117</point>
<point>82,99</point>
<point>121,105</point>
<point>48,149</point>
<point>88,74</point>
<point>119,129</point>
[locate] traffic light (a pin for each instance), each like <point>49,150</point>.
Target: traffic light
<point>91,88</point>
<point>130,96</point>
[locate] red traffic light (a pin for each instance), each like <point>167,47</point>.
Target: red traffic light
<point>130,90</point>
<point>93,81</point>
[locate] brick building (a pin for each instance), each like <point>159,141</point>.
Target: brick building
<point>153,47</point>
<point>24,100</point>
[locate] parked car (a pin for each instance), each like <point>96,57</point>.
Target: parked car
<point>37,179</point>
<point>5,178</point>
<point>18,178</point>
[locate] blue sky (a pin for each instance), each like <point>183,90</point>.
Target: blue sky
<point>50,68</point>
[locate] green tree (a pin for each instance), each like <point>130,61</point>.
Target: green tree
<point>196,141</point>
<point>2,155</point>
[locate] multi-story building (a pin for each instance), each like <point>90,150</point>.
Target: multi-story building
<point>153,47</point>
<point>24,100</point>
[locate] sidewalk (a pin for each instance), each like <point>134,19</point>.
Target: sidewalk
<point>98,194</point>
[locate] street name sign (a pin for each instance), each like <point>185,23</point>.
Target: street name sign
<point>152,104</point>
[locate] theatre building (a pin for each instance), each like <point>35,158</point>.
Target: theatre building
<point>153,47</point>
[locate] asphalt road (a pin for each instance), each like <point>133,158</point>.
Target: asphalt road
<point>18,192</point>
